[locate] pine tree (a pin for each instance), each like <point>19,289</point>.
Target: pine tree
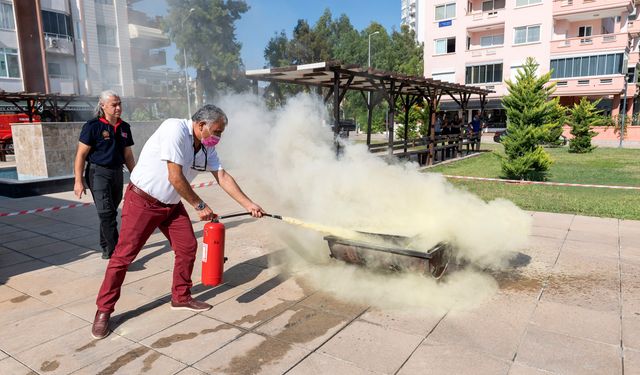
<point>554,129</point>
<point>584,115</point>
<point>529,112</point>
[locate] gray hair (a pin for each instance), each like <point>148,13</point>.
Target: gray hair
<point>106,94</point>
<point>210,114</point>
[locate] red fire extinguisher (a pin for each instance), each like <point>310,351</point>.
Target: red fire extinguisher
<point>213,253</point>
<point>213,249</point>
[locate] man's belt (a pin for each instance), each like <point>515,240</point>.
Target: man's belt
<point>144,195</point>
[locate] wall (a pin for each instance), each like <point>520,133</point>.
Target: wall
<point>607,134</point>
<point>45,150</point>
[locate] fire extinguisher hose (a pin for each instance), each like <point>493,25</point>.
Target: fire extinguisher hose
<point>245,214</point>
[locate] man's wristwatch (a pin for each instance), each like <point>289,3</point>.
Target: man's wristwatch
<point>201,206</point>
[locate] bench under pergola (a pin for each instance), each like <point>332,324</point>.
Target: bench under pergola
<point>334,79</point>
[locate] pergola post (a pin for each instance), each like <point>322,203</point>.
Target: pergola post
<point>483,103</point>
<point>336,105</point>
<point>391,114</point>
<point>254,86</point>
<point>434,100</point>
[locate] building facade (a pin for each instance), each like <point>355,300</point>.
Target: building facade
<point>409,15</point>
<point>590,46</point>
<point>78,47</point>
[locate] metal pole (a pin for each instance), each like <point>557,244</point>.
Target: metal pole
<point>624,109</point>
<point>186,76</point>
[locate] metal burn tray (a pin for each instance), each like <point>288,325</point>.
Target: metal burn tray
<point>389,252</point>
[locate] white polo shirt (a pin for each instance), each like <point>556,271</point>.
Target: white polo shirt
<point>172,141</point>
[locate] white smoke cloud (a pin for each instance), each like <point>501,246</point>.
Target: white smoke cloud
<point>287,163</point>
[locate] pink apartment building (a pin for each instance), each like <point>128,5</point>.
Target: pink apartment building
<point>591,46</point>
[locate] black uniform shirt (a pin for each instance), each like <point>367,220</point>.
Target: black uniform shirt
<point>107,141</point>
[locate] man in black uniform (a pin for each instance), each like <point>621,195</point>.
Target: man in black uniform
<point>105,142</point>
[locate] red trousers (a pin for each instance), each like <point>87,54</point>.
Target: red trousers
<point>139,219</point>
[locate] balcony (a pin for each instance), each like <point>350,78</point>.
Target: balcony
<point>481,19</point>
<point>60,44</point>
<point>585,86</point>
<point>62,84</point>
<point>633,28</point>
<point>152,37</point>
<point>604,42</point>
<point>479,53</point>
<point>562,8</point>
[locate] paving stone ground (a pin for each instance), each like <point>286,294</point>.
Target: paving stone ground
<point>572,308</point>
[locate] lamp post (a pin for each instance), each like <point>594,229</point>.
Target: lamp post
<point>186,76</point>
<point>369,92</point>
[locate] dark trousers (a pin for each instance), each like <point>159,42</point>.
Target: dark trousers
<point>139,219</point>
<point>106,188</point>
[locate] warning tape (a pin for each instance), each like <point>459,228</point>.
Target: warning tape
<point>37,210</point>
<point>76,205</point>
<point>523,182</point>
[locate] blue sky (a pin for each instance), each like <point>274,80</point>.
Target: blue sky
<point>267,17</point>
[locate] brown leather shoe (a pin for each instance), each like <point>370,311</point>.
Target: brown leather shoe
<point>100,328</point>
<point>192,305</point>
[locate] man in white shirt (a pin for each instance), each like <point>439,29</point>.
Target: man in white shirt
<point>170,160</point>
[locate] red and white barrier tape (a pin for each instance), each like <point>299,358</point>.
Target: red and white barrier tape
<point>38,210</point>
<point>76,205</point>
<point>522,182</point>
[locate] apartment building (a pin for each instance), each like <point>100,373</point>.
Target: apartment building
<point>591,47</point>
<point>409,15</point>
<point>77,47</point>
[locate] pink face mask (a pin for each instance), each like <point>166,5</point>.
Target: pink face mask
<point>211,141</point>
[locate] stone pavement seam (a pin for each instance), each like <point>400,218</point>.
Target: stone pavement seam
<point>421,342</point>
<point>620,299</point>
<point>533,311</point>
<point>327,340</point>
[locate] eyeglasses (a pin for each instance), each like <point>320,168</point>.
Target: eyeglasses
<point>197,167</point>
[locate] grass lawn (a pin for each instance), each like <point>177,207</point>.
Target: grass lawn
<point>603,166</point>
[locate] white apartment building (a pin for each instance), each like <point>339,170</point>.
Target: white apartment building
<point>79,47</point>
<point>410,14</point>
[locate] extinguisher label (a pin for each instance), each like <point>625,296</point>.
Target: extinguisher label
<point>205,251</point>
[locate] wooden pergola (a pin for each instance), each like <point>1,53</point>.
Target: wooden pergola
<point>334,79</point>
<point>54,105</point>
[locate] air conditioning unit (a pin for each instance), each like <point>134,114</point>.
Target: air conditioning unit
<point>52,43</point>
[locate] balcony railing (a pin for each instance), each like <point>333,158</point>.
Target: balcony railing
<point>590,43</point>
<point>62,84</point>
<point>564,7</point>
<point>57,43</point>
<point>589,85</point>
<point>481,18</point>
<point>483,51</point>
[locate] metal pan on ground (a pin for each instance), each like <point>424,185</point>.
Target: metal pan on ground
<point>389,252</point>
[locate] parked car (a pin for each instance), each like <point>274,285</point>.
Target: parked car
<point>497,137</point>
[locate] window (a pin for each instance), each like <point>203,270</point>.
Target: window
<point>597,65</point>
<point>488,73</point>
<point>106,2</point>
<point>6,17</point>
<point>107,35</point>
<point>446,11</point>
<point>446,45</point>
<point>9,67</point>
<point>526,34</point>
<point>490,5</point>
<point>492,40</point>
<point>521,3</point>
<point>585,31</point>
<point>110,74</point>
<point>56,23</point>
